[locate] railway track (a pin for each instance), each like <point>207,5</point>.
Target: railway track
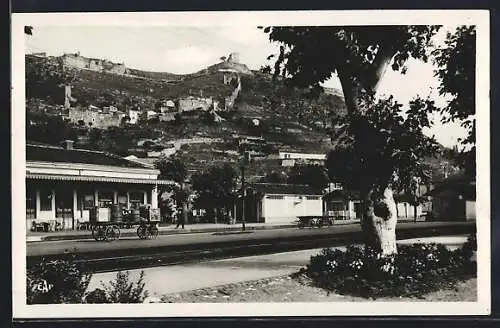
<point>127,259</point>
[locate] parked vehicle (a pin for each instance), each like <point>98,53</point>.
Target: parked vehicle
<point>143,218</point>
<point>315,221</point>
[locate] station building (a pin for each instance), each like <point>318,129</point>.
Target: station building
<point>63,184</point>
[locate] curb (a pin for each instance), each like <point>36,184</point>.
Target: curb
<point>220,230</point>
<point>161,232</point>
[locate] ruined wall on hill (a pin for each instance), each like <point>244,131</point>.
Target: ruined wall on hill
<point>192,103</point>
<point>98,120</point>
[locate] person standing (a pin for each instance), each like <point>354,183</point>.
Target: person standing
<point>180,219</point>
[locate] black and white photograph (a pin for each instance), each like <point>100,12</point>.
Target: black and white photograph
<point>250,163</point>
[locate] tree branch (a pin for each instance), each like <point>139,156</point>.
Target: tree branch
<point>379,66</point>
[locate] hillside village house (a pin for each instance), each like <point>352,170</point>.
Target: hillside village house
<point>292,158</point>
<point>63,184</point>
<point>274,202</point>
<point>133,115</point>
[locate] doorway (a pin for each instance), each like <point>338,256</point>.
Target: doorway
<point>64,208</point>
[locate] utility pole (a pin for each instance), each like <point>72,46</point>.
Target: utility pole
<point>246,160</point>
<point>243,196</point>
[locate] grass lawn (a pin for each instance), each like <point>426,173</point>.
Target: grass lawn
<point>299,289</point>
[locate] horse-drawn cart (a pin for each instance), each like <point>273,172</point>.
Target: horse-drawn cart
<point>315,221</point>
<point>106,226</point>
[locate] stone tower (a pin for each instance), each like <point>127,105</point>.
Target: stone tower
<point>234,57</point>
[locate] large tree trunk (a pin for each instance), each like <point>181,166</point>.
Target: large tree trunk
<point>380,212</point>
<point>379,221</point>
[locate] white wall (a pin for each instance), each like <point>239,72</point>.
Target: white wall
<point>288,155</point>
<point>288,208</point>
<point>405,210</point>
<point>470,209</point>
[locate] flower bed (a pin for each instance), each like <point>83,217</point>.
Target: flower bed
<point>416,270</point>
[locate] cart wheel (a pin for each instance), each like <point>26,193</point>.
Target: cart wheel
<point>95,233</point>
<point>153,232</point>
<point>98,233</point>
<point>140,232</point>
<point>112,233</point>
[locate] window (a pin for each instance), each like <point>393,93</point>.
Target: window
<point>105,198</point>
<point>122,199</point>
<point>45,200</point>
<point>85,201</point>
<point>30,204</point>
<point>274,197</point>
<point>136,199</point>
<point>336,207</point>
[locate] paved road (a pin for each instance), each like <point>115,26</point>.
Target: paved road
<point>211,240</point>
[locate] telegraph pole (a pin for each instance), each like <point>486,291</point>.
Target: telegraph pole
<point>243,195</point>
<point>246,159</point>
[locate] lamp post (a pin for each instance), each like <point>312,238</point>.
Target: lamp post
<point>246,160</point>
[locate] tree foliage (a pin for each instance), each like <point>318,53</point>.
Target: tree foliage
<point>314,176</point>
<point>215,187</point>
<point>274,177</point>
<point>175,170</point>
<point>357,54</point>
<point>456,71</point>
<point>172,169</point>
<point>383,146</point>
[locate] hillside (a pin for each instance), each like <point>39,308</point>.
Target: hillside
<point>285,118</point>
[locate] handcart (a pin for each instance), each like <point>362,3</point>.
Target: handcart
<point>107,228</point>
<point>314,221</point>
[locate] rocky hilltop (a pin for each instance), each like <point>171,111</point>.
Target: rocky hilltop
<point>208,115</point>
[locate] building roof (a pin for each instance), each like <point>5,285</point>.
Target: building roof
<point>342,194</point>
<point>284,189</point>
<point>457,184</point>
<point>45,153</point>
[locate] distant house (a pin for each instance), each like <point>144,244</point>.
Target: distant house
<point>147,115</point>
<point>293,158</point>
<point>134,116</point>
<point>454,199</point>
<point>167,116</point>
<point>343,204</point>
<point>273,202</point>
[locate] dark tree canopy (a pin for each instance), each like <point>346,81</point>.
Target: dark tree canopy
<point>456,70</point>
<point>172,169</point>
<point>215,187</point>
<point>380,146</point>
<point>359,55</point>
<point>274,177</point>
<point>314,176</point>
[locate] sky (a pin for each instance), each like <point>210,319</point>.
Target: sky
<point>184,50</point>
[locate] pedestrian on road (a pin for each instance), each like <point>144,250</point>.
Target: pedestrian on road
<point>180,219</point>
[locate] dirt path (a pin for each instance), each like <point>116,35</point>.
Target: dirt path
<point>287,289</point>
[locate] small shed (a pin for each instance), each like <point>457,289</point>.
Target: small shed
<point>454,199</point>
<point>275,202</point>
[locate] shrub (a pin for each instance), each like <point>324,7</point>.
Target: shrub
<point>121,290</point>
<point>97,296</point>
<point>59,281</point>
<point>416,270</point>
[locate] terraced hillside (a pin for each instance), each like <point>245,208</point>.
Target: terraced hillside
<point>284,118</point>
